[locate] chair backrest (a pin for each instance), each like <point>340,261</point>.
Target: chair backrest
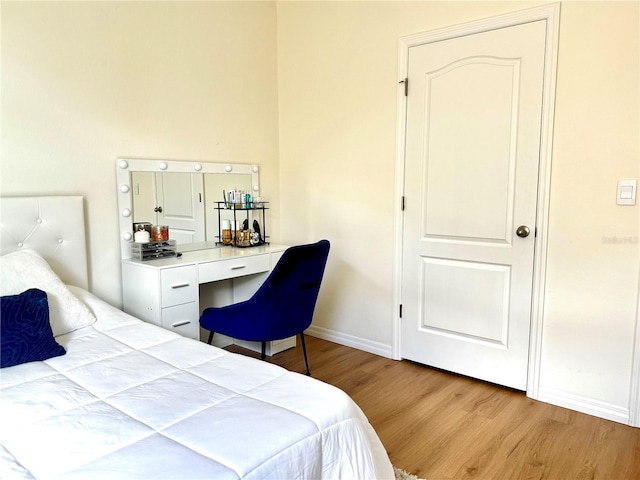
<point>287,298</point>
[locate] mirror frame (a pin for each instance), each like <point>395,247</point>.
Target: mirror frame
<point>124,167</point>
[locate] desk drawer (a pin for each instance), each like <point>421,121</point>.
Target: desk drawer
<point>235,267</point>
<point>182,319</point>
<point>179,285</point>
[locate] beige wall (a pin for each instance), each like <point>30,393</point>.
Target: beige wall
<point>338,80</point>
<point>84,83</point>
<point>308,91</point>
<point>592,279</point>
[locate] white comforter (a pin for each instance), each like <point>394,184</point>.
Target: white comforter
<point>131,400</point>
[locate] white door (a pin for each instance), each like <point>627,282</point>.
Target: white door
<point>180,205</point>
<point>471,170</point>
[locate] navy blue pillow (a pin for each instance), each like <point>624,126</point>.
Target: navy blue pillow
<point>25,332</point>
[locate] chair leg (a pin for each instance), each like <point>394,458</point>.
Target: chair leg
<point>304,350</point>
<point>263,355</point>
<point>210,338</point>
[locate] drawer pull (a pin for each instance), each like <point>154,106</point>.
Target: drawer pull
<point>180,285</point>
<point>238,267</point>
<point>181,324</point>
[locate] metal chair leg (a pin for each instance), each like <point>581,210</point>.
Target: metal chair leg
<point>263,355</point>
<point>304,350</point>
<point>210,338</point>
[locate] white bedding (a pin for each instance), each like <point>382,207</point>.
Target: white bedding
<point>131,400</point>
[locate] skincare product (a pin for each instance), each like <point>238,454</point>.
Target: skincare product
<point>141,236</point>
<point>226,232</point>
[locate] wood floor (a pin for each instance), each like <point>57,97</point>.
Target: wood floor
<point>441,426</point>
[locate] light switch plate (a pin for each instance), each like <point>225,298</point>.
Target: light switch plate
<point>627,192</point>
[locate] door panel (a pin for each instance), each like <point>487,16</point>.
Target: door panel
<point>454,291</point>
<point>471,171</point>
<point>468,121</point>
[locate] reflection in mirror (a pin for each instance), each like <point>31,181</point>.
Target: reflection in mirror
<point>143,200</point>
<point>179,194</point>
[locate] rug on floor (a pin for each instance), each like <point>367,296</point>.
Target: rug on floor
<point>402,475</point>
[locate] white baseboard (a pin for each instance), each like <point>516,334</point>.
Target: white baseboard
<point>586,405</point>
<point>376,348</point>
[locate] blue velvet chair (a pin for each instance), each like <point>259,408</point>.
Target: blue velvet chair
<point>283,305</point>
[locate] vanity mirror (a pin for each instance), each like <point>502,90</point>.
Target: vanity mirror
<point>179,194</point>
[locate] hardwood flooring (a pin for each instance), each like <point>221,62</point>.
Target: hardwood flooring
<point>442,426</point>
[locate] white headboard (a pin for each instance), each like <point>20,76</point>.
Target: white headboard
<point>52,226</point>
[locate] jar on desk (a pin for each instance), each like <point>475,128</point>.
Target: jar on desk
<point>227,237</point>
<point>159,233</point>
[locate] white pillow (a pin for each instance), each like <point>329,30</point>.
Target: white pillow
<point>26,269</point>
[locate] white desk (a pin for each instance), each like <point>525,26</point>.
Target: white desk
<point>173,292</point>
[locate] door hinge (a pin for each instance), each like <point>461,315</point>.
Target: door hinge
<point>402,203</point>
<point>406,86</point>
<point>400,310</point>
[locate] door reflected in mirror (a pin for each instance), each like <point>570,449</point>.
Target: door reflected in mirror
<point>181,195</point>
<point>184,201</point>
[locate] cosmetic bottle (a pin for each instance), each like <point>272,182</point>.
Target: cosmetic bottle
<point>226,232</point>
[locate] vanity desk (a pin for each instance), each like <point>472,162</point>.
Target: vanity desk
<point>172,292</point>
<point>185,197</point>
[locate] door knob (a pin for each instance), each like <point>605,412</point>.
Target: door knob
<point>523,231</point>
<point>158,209</point>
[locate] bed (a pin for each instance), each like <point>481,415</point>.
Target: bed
<point>127,399</point>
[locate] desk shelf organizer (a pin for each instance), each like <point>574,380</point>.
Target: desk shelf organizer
<point>153,250</point>
<point>250,211</point>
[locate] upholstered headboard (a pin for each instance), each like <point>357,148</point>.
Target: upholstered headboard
<point>52,226</point>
